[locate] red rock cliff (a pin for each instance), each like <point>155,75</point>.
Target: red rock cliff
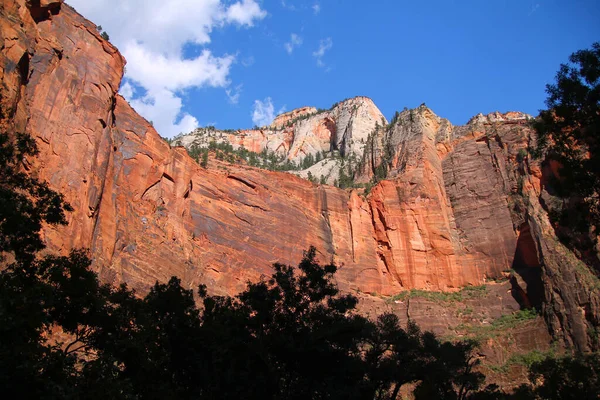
<point>444,218</point>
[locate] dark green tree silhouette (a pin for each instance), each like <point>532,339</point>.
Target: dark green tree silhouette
<point>569,132</point>
<point>568,378</point>
<point>451,370</point>
<point>48,311</point>
<point>397,357</point>
<point>25,201</point>
<point>294,335</point>
<point>204,162</point>
<point>392,356</point>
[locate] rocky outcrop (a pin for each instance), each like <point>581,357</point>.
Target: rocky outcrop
<point>288,118</point>
<point>341,130</point>
<point>565,287</point>
<point>450,212</point>
<point>443,209</point>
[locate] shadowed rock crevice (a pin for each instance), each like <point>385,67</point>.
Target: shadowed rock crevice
<point>243,181</point>
<point>326,223</point>
<point>526,281</point>
<point>24,69</point>
<point>43,10</point>
<point>168,177</point>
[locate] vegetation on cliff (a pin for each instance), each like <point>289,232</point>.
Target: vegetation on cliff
<point>272,161</point>
<point>266,159</point>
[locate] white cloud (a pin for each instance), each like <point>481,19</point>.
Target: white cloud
<point>160,107</point>
<point>324,46</point>
<point>295,41</point>
<point>233,94</point>
<point>316,8</point>
<point>245,13</point>
<point>127,90</point>
<point>156,71</point>
<point>152,34</point>
<point>264,112</point>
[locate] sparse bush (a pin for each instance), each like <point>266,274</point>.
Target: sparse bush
<point>468,292</point>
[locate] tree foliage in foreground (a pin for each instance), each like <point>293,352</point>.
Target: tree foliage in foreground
<point>569,133</point>
<point>567,378</point>
<point>289,337</point>
<point>25,201</point>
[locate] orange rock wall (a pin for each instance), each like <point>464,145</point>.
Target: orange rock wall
<point>147,211</point>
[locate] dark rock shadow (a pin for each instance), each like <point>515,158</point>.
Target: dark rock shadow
<point>526,281</point>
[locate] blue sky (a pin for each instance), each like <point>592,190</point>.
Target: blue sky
<point>460,57</point>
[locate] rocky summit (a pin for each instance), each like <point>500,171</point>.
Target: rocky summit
<point>435,207</point>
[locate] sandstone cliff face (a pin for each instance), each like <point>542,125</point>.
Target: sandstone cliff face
<point>443,215</point>
<point>343,129</point>
<point>446,217</point>
<point>287,118</point>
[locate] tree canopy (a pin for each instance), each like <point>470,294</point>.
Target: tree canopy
<point>25,201</point>
<point>569,133</point>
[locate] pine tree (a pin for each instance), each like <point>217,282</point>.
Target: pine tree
<point>204,163</point>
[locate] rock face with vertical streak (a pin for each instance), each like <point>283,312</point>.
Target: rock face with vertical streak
<point>449,213</point>
<point>443,216</point>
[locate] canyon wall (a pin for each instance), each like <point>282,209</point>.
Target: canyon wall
<point>460,205</point>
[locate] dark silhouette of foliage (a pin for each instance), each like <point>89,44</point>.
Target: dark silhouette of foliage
<point>395,118</point>
<point>451,370</point>
<point>292,336</point>
<point>284,325</point>
<point>568,378</point>
<point>440,370</point>
<point>36,297</point>
<point>569,133</point>
<point>25,201</point>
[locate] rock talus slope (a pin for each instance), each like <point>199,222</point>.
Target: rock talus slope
<point>448,215</point>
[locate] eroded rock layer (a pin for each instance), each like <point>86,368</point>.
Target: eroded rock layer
<point>450,213</point>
